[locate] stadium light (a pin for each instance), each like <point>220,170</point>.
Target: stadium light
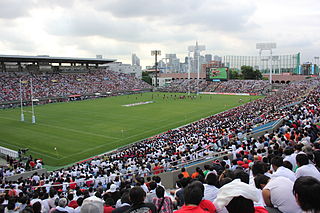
<point>155,53</point>
<point>32,107</point>
<point>21,104</point>
<point>266,46</point>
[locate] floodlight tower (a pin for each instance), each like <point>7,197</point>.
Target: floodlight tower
<point>266,46</point>
<point>196,50</point>
<point>32,107</point>
<point>21,103</point>
<point>155,53</point>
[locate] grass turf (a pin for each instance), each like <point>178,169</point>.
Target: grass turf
<point>83,129</point>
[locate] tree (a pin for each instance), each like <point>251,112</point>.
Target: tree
<point>233,74</point>
<point>248,73</point>
<point>146,77</point>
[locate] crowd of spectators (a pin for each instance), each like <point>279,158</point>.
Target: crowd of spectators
<point>64,84</point>
<point>250,181</point>
<point>230,86</point>
<point>185,85</point>
<point>242,86</point>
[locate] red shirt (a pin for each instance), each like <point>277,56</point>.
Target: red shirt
<point>260,209</point>
<point>193,209</point>
<point>208,206</point>
<point>73,204</point>
<point>107,209</point>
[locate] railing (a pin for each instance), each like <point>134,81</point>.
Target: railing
<point>10,152</point>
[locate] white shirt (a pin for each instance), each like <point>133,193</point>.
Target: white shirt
<point>210,192</point>
<point>284,172</point>
<point>308,170</point>
<point>292,159</point>
<point>281,195</point>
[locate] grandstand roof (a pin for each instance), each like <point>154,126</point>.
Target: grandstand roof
<point>48,59</point>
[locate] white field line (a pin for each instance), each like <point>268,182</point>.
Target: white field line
<point>68,129</point>
<point>40,153</point>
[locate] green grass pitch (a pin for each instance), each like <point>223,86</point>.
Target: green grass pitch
<point>83,129</point>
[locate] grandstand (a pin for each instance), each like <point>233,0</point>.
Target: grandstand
<point>214,150</point>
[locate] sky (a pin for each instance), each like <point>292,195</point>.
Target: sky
<point>118,28</point>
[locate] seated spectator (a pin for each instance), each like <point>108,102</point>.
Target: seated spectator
<point>305,168</point>
<point>152,193</point>
<point>137,196</point>
<point>280,170</point>
<point>125,203</point>
<point>210,188</point>
<point>184,173</point>
<point>193,195</point>
<point>307,190</point>
<point>238,197</point>
<point>277,193</point>
<point>204,204</point>
<point>162,203</point>
<point>92,205</point>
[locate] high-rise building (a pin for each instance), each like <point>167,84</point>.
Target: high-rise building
<point>217,58</point>
<point>208,58</point>
<point>280,63</point>
<point>135,60</point>
<point>173,63</point>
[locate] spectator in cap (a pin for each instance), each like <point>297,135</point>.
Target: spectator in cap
<point>92,204</point>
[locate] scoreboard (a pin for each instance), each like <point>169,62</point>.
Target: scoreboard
<point>217,73</point>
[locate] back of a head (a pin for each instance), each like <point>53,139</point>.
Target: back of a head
<point>125,198</point>
<point>36,207</point>
<point>240,205</point>
<point>260,179</point>
<point>212,179</point>
<point>287,165</point>
<point>302,159</point>
<point>92,205</point>
<point>152,185</point>
<point>184,182</point>
<point>307,190</point>
<point>160,192</point>
<point>137,195</point>
<point>258,168</point>
<point>62,202</point>
<point>193,194</point>
<point>140,180</point>
<point>277,161</point>
<point>242,175</point>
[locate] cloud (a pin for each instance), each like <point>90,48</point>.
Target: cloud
<point>11,9</point>
<point>103,24</point>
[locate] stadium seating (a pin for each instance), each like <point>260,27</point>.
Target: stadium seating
<point>63,84</point>
<point>111,175</point>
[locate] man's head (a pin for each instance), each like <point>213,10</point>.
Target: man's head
<point>160,192</point>
<point>276,162</point>
<point>258,168</point>
<point>153,185</point>
<point>193,194</point>
<point>92,205</point>
<point>137,195</point>
<point>302,159</point>
<point>62,202</point>
<point>260,181</point>
<point>240,205</point>
<point>307,190</point>
<point>242,175</point>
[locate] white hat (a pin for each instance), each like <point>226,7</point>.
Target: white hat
<point>113,188</point>
<point>234,189</point>
<point>92,205</point>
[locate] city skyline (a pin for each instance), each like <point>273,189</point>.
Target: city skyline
<point>118,28</point>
